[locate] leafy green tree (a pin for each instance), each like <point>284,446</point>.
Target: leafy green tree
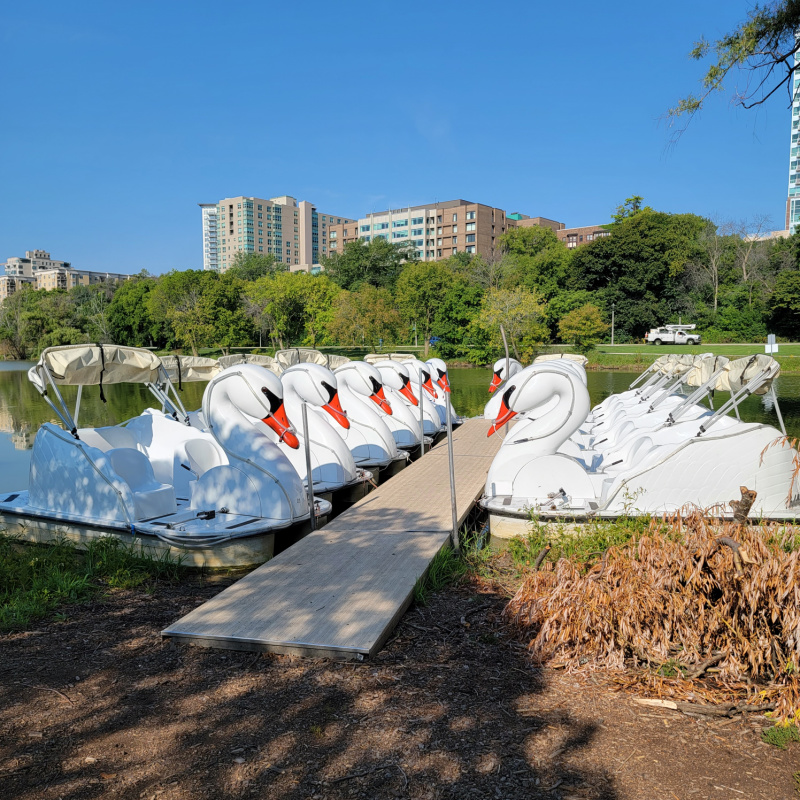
<point>377,263</point>
<point>365,317</point>
<point>419,293</point>
<point>561,304</point>
<point>786,305</point>
<point>640,268</point>
<point>454,318</point>
<point>630,208</point>
<point>583,327</point>
<point>251,266</point>
<point>521,313</point>
<point>762,47</point>
<point>129,317</point>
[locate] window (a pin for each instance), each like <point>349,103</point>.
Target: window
<point>470,249</point>
<point>439,231</point>
<point>416,231</point>
<point>470,215</point>
<point>470,237</point>
<point>439,242</point>
<point>260,209</point>
<point>439,219</point>
<point>417,220</point>
<point>439,253</point>
<point>400,223</point>
<point>455,217</point>
<point>419,243</point>
<point>365,229</point>
<point>380,226</point>
<point>470,226</point>
<point>455,240</point>
<point>455,228</point>
<point>334,234</point>
<point>400,235</point>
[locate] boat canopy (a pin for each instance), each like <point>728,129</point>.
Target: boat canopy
<point>579,359</point>
<point>374,358</point>
<point>268,362</point>
<point>94,365</point>
<point>306,355</point>
<point>182,369</point>
<point>704,369</point>
<point>740,372</point>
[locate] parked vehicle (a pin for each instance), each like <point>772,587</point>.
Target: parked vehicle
<point>672,334</point>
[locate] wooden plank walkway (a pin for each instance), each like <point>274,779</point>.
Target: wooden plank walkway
<point>340,591</point>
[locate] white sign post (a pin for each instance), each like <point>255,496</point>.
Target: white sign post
<point>771,346</point>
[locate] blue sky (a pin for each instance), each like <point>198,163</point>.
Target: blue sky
<point>119,118</point>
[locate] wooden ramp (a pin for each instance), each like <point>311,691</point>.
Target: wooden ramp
<point>340,591</point>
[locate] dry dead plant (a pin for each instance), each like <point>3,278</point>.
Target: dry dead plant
<point>699,596</point>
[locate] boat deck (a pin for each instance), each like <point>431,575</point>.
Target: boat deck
<point>340,591</point>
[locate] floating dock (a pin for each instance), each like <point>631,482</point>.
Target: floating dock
<point>340,591</point>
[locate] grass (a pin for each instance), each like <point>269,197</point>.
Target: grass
<point>36,580</point>
<point>447,568</point>
<point>781,735</point>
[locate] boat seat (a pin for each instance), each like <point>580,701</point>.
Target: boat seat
<point>108,437</point>
<point>202,456</point>
<point>151,498</point>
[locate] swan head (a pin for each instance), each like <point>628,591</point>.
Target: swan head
<point>499,372</point>
<point>419,369</point>
<point>395,375</point>
<point>439,373</point>
<point>529,388</point>
<point>365,380</point>
<point>257,393</point>
<point>317,386</point>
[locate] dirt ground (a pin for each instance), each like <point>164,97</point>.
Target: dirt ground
<point>96,706</point>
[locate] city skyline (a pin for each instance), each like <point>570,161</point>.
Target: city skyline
<point>128,120</point>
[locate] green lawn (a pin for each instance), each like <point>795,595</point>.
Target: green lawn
<point>636,357</point>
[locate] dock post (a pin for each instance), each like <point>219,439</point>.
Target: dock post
<point>421,420</point>
<point>448,410</point>
<point>309,479</point>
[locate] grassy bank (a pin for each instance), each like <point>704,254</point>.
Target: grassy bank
<point>38,581</point>
<point>637,357</point>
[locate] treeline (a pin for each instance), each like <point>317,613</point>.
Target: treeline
<point>652,268</point>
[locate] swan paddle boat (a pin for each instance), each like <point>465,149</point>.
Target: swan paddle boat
<point>156,479</point>
<point>701,461</point>
<point>362,396</point>
<point>404,423</point>
<point>333,468</point>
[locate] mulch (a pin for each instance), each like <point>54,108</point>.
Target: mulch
<point>97,706</point>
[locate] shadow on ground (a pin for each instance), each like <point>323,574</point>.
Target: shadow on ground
<point>97,706</point>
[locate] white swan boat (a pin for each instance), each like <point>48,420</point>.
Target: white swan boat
<point>699,460</point>
<point>157,479</point>
<point>362,395</point>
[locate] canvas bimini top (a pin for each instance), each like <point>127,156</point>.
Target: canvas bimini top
<point>188,369</point>
<point>98,365</point>
<point>94,365</point>
<point>307,355</point>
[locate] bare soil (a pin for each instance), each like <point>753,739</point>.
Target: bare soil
<point>96,706</point>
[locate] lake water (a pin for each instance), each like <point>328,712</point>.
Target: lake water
<point>22,409</point>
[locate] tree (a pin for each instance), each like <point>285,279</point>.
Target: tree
<point>630,208</point>
<point>365,316</point>
<point>378,263</point>
<point>129,318</point>
<point>786,304</point>
<point>583,327</point>
<point>420,290</point>
<point>251,266</point>
<point>640,267</point>
<point>521,313</point>
<point>707,267</point>
<point>535,258</point>
<point>762,46</point>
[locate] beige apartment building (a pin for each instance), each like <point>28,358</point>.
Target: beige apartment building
<point>38,270</point>
<point>294,232</point>
<point>436,230</point>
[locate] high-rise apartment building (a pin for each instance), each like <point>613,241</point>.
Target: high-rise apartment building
<point>209,212</point>
<point>436,230</point>
<point>295,233</point>
<point>793,199</point>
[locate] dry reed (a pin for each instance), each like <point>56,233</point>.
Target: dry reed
<point>680,601</point>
